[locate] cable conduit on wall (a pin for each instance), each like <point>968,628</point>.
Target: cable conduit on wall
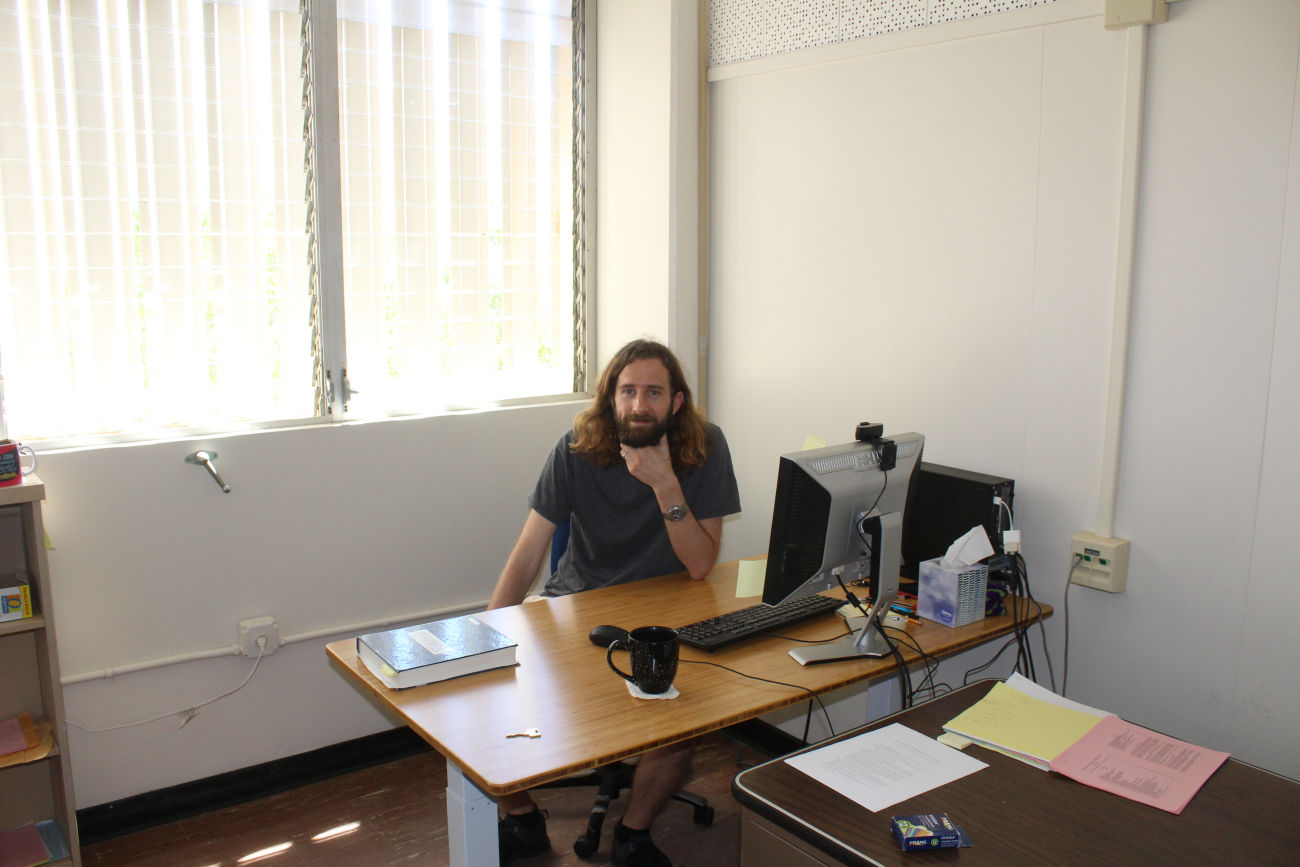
<point>1125,262</point>
<point>111,671</point>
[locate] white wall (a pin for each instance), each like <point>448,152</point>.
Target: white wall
<point>923,233</point>
<point>323,529</point>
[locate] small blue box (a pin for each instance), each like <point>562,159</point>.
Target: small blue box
<point>928,831</point>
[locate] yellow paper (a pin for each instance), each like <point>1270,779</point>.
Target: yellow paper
<point>749,578</point>
<point>40,741</point>
<point>812,442</point>
<point>1021,723</point>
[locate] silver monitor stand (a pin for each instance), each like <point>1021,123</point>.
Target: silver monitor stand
<point>869,641</point>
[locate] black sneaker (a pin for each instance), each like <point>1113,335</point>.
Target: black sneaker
<point>518,837</point>
<point>639,851</point>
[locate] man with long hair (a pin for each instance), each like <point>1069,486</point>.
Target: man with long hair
<point>644,482</point>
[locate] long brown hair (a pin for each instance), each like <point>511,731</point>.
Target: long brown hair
<point>595,431</point>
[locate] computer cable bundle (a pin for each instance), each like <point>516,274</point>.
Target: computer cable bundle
<point>977,669</point>
<point>1020,619</point>
<point>1019,586</point>
<point>904,675</point>
<point>931,668</point>
<point>1023,621</point>
<point>1023,568</point>
<point>1024,653</point>
<point>1022,597</point>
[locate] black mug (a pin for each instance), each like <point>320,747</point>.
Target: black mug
<point>654,658</point>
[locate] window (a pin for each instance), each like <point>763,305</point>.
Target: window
<point>221,214</point>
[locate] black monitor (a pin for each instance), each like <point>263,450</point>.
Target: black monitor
<point>838,507</point>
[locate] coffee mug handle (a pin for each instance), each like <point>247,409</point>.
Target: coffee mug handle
<point>609,658</point>
<point>27,451</point>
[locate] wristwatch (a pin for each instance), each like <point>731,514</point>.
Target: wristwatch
<point>675,513</point>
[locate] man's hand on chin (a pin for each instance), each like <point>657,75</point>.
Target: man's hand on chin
<point>652,465</point>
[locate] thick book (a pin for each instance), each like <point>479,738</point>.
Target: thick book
<point>436,651</point>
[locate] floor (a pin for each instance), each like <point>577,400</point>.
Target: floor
<point>400,815</point>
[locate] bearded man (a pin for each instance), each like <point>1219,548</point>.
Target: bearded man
<point>644,481</point>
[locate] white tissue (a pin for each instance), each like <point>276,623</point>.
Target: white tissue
<point>637,692</point>
<point>972,547</point>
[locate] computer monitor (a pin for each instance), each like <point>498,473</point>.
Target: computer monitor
<point>836,507</point>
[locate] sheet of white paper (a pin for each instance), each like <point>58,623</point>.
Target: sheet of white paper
<point>883,767</point>
<point>1019,682</point>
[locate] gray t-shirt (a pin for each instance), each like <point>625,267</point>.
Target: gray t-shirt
<point>617,531</point>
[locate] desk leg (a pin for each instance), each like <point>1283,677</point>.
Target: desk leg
<point>471,822</point>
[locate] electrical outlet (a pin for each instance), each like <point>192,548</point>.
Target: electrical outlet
<point>254,628</point>
<point>1102,562</point>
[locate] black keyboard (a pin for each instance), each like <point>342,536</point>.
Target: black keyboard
<point>733,626</point>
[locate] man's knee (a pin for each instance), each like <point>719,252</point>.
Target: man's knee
<point>678,754</point>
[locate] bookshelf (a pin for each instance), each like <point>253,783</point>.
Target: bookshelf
<point>41,788</point>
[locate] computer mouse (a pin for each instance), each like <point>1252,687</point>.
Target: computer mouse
<point>603,636</point>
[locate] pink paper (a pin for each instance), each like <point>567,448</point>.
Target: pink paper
<point>1139,764</point>
<point>22,847</point>
<point>11,737</point>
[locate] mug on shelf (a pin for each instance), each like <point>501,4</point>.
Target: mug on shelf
<point>16,461</point>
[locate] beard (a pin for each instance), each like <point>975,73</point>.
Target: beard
<point>641,437</point>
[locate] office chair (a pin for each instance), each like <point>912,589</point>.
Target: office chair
<point>612,779</point>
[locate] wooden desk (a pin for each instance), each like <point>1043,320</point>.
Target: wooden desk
<point>1016,814</point>
<point>586,716</point>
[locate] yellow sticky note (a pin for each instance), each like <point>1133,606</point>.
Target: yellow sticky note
<point>812,442</point>
<point>954,740</point>
<point>749,578</point>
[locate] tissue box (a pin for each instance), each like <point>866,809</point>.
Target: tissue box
<point>953,596</point>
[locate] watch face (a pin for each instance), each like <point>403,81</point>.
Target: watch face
<point>675,513</point>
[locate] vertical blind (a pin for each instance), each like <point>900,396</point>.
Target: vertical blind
<point>456,121</point>
<point>156,262</point>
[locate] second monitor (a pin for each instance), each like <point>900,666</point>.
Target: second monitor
<point>834,507</point>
